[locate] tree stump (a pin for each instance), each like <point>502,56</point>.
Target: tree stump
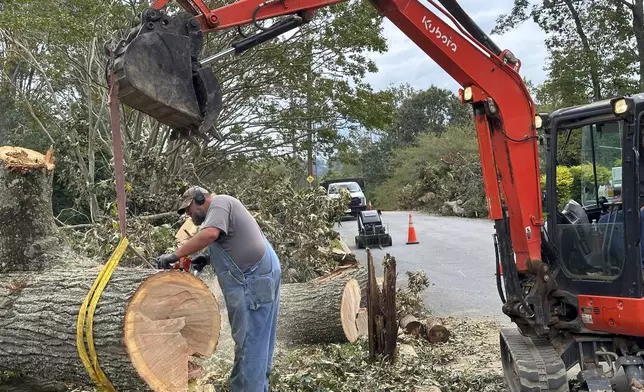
<point>381,309</point>
<point>27,233</point>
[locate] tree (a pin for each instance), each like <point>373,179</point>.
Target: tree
<point>427,111</point>
<point>592,47</point>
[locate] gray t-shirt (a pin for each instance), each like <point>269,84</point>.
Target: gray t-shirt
<point>240,235</point>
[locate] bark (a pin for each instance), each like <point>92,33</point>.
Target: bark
<point>346,272</point>
<point>389,308</point>
<point>38,313</point>
<point>28,236</point>
<point>323,312</point>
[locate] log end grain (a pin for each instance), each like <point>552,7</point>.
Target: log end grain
<point>411,325</point>
<point>436,332</point>
<point>171,317</point>
<point>362,322</point>
<point>349,306</point>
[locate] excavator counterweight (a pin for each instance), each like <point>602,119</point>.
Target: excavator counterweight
<point>158,72</point>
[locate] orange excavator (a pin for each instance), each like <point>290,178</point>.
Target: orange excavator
<point>572,285</point>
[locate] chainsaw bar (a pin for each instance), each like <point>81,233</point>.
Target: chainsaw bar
<point>158,72</point>
<point>531,365</point>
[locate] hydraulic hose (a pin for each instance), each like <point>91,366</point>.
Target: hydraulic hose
<point>464,19</point>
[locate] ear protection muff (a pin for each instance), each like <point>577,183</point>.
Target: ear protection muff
<point>199,197</point>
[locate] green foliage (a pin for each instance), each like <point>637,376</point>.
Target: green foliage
<point>296,218</point>
<point>440,168</point>
<point>594,48</point>
<point>428,111</point>
<point>565,183</point>
<point>431,133</point>
<point>410,300</point>
<point>569,180</point>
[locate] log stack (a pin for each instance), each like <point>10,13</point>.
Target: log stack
<point>143,317</point>
<point>431,329</point>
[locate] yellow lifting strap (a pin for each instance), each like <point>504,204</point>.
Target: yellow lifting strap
<point>94,370</point>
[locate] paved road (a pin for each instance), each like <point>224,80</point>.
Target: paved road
<point>456,254</point>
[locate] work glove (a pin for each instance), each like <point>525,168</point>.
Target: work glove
<point>200,262</point>
<point>165,260</point>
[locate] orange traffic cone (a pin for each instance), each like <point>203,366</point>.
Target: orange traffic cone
<point>411,233</point>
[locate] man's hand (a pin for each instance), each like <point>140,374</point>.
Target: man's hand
<point>200,262</point>
<point>164,261</point>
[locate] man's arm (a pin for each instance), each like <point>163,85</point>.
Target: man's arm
<point>200,240</point>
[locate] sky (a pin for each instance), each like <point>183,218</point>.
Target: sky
<point>404,62</point>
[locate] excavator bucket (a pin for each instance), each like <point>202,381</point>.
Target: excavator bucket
<point>158,73</point>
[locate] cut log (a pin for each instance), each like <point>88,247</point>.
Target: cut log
<point>349,271</point>
<point>38,314</point>
<point>411,325</point>
<point>319,312</point>
<point>435,332</point>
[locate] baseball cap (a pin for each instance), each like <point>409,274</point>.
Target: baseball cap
<point>188,196</point>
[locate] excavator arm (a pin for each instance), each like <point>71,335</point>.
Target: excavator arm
<point>503,110</point>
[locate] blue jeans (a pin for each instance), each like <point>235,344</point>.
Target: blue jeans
<point>252,300</point>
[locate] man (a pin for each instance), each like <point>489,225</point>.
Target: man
<point>249,274</point>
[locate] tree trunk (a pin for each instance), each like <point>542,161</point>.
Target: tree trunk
<point>590,54</point>
<point>38,313</point>
<point>638,30</point>
<point>323,312</point>
<point>27,233</point>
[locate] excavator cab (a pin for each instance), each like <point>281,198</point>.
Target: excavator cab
<point>158,72</point>
<point>595,314</point>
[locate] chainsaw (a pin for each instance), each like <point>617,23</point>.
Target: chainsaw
<point>186,264</point>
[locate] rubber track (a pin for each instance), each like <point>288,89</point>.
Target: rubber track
<point>539,366</point>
